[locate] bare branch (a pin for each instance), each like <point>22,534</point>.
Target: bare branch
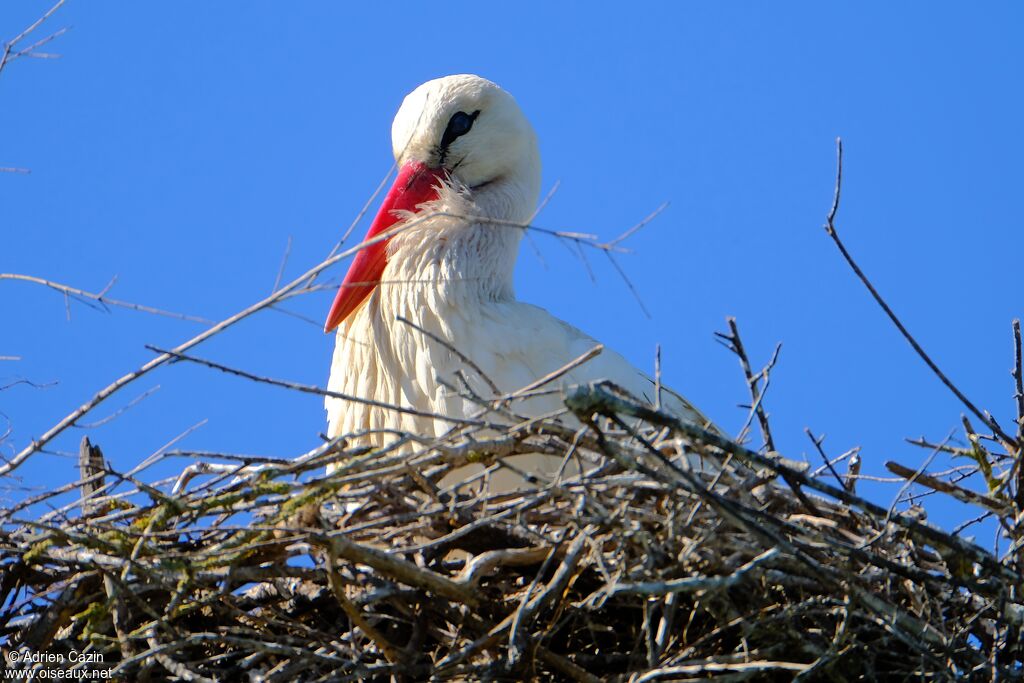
<point>101,298</point>
<point>310,389</point>
<point>733,342</point>
<point>9,55</point>
<point>830,228</point>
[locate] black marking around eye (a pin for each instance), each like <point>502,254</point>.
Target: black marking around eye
<point>458,125</point>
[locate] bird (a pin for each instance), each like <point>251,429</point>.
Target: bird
<point>431,292</point>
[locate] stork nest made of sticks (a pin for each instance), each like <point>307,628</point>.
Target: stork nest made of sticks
<point>632,565</point>
<point>641,568</point>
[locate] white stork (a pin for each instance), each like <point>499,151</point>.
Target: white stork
<point>469,173</point>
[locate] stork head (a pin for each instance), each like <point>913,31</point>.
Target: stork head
<point>458,129</point>
<point>467,126</point>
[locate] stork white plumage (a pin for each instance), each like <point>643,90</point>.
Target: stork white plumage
<point>469,171</point>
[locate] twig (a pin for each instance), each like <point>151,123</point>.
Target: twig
<point>353,612</point>
<point>830,228</point>
<point>657,376</point>
<point>1018,385</point>
<point>284,263</point>
<point>584,357</point>
<point>963,495</point>
<point>311,389</point>
<point>7,55</point>
<point>101,298</point>
<point>402,570</point>
<point>451,347</point>
<point>817,441</point>
<point>120,411</point>
<point>633,230</point>
<point>702,669</point>
<point>733,342</point>
<point>694,583</point>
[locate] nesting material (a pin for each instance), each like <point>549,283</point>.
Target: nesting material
<point>642,569</point>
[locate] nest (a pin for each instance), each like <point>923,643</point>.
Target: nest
<point>641,568</point>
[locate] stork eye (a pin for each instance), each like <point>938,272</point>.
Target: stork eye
<point>458,125</point>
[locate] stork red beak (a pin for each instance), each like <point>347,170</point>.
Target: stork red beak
<point>416,183</point>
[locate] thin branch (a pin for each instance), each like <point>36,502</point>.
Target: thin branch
<point>284,262</point>
<point>636,228</point>
<point>101,298</point>
<point>830,229</point>
<point>8,54</point>
<point>584,357</point>
<point>1018,387</point>
<point>311,389</point>
<point>451,347</point>
<point>629,283</point>
<point>733,342</point>
<point>120,411</point>
<point>1001,508</point>
<point>818,441</point>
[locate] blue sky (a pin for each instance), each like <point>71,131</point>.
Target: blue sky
<point>179,145</point>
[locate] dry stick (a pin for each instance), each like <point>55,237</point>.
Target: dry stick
<point>584,357</point>
<point>284,263</point>
<point>102,298</point>
<point>629,233</point>
<point>757,393</point>
<point>30,51</point>
<point>515,642</point>
<point>830,228</point>
<point>451,347</point>
<point>353,612</point>
<point>554,586</point>
<point>629,284</point>
<point>694,583</point>
<point>733,342</point>
<point>821,451</point>
<point>700,670</point>
<point>311,389</point>
<point>608,247</point>
<point>91,468</point>
<point>657,376</point>
<point>963,495</point>
<point>122,410</point>
<point>1018,381</point>
<point>486,562</point>
<point>565,666</point>
<point>7,55</point>
<point>544,202</point>
<point>396,568</point>
<point>908,482</point>
<point>9,45</point>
